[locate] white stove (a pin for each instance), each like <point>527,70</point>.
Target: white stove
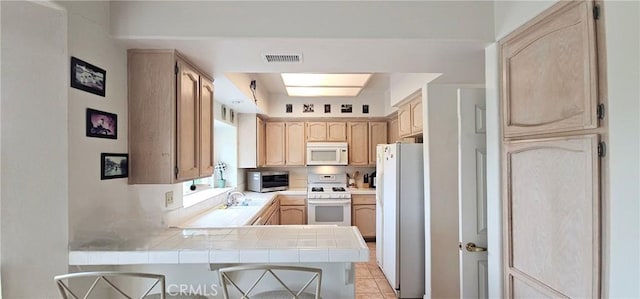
<point>328,201</point>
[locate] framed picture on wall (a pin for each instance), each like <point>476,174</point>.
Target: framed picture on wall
<point>289,108</point>
<point>223,112</point>
<point>346,108</point>
<point>306,108</point>
<point>365,109</point>
<point>113,166</point>
<point>327,108</point>
<point>102,124</point>
<point>88,77</point>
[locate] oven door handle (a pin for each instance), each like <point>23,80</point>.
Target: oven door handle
<point>322,202</point>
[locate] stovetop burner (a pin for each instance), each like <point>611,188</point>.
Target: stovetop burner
<point>317,189</point>
<point>338,189</point>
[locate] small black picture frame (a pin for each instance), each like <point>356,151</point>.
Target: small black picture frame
<point>308,108</point>
<point>327,108</point>
<point>114,166</point>
<point>365,109</point>
<point>88,77</point>
<point>102,124</point>
<point>346,108</point>
<point>289,108</point>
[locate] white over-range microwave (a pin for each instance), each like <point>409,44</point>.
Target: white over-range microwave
<point>327,153</point>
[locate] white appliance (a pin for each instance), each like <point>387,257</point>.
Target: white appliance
<point>328,201</point>
<point>400,215</point>
<point>327,153</point>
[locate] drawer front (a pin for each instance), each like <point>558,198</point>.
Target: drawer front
<point>291,200</point>
<point>360,199</point>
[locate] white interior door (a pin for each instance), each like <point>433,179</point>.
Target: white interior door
<point>472,195</point>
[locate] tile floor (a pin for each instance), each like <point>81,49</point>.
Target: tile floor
<point>370,281</point>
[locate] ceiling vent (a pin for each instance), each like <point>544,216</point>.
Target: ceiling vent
<point>282,58</point>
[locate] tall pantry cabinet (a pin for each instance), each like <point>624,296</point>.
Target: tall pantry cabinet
<point>170,118</point>
<point>553,125</point>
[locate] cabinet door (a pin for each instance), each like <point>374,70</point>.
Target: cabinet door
<point>293,215</point>
<point>260,143</point>
<point>358,139</point>
<point>364,217</point>
<point>188,139</point>
<point>275,143</point>
<point>206,128</point>
<point>377,135</point>
<point>336,131</point>
<point>404,120</point>
<point>416,116</point>
<point>393,136</point>
<point>316,131</point>
<point>296,145</point>
<point>549,73</point>
<point>552,203</point>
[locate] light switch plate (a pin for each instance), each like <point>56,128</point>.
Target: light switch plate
<point>168,199</point>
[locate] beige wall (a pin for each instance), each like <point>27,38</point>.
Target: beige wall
<point>34,142</point>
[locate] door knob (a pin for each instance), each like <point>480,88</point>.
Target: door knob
<point>471,247</point>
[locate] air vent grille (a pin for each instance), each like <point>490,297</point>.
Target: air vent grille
<point>282,58</point>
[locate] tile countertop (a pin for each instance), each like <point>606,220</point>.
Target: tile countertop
<point>249,244</point>
<point>237,216</point>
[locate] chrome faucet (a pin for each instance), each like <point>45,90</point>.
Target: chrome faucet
<point>231,198</point>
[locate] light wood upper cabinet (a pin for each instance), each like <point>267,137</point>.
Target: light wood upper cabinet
<point>295,143</point>
<point>170,115</point>
<point>326,131</point>
<point>206,128</point>
<point>316,131</point>
<point>260,140</point>
<point>552,201</point>
<point>410,117</point>
<point>404,120</point>
<point>393,134</point>
<point>549,74</point>
<point>377,135</point>
<point>275,143</point>
<point>416,115</point>
<point>358,140</point>
<point>188,122</point>
<point>251,144</point>
<point>336,131</point>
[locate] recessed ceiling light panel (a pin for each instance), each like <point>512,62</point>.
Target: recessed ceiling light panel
<point>344,80</point>
<point>298,91</point>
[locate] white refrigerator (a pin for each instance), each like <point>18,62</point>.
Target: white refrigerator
<point>400,217</point>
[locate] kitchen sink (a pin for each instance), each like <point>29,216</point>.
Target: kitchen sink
<point>250,202</point>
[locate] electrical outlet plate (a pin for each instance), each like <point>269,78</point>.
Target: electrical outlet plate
<point>168,199</point>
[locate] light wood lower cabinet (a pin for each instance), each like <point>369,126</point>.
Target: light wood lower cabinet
<point>363,214</point>
<point>271,215</point>
<point>293,210</point>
